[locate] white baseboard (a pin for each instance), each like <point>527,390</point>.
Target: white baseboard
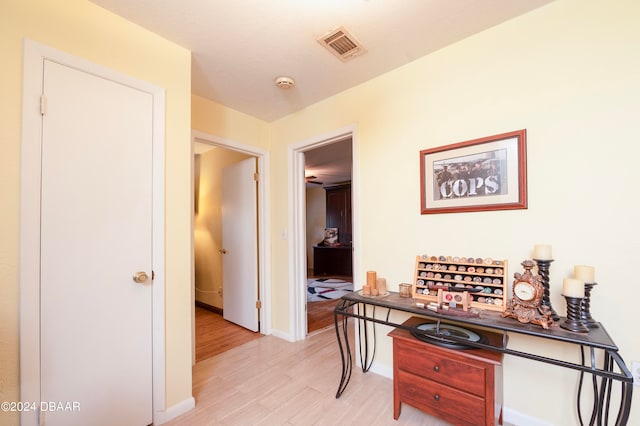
<point>282,335</point>
<point>382,370</point>
<point>174,411</point>
<point>514,417</point>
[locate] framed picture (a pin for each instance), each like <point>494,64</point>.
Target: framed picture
<point>330,236</point>
<point>483,174</point>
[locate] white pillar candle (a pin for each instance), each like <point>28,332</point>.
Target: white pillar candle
<point>584,273</point>
<point>542,252</point>
<point>572,287</point>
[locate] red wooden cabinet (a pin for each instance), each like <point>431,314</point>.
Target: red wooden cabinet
<point>463,387</point>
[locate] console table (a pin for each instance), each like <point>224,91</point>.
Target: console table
<point>377,310</point>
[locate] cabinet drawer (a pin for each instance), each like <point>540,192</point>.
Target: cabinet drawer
<point>448,369</point>
<point>456,406</point>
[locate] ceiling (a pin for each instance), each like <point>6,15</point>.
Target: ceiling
<point>239,47</point>
<point>329,164</point>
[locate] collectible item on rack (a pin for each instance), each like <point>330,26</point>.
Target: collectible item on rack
<point>526,302</point>
<point>483,279</point>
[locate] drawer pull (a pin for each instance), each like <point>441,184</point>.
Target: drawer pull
<point>436,397</point>
<point>436,369</point>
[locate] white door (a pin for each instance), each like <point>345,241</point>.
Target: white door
<point>96,229</point>
<point>240,243</point>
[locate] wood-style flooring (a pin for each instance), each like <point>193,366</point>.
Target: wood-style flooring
<point>215,335</point>
<point>270,381</point>
<point>320,314</point>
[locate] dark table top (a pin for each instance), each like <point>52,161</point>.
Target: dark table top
<point>596,337</point>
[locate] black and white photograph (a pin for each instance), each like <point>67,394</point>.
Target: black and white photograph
<point>478,175</point>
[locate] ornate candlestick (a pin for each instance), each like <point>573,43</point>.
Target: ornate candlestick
<point>574,320</point>
<point>543,271</point>
<point>585,313</point>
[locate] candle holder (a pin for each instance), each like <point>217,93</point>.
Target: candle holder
<point>573,322</point>
<point>585,313</point>
<point>543,271</point>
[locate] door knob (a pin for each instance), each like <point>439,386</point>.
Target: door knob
<point>140,277</point>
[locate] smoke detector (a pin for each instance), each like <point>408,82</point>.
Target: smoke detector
<point>342,44</point>
<point>285,82</point>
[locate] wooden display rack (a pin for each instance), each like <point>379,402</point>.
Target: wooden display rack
<point>435,272</point>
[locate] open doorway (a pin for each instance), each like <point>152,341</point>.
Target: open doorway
<point>215,309</point>
<point>329,241</point>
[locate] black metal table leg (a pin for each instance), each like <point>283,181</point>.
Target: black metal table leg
<point>627,390</point>
<point>602,391</point>
<point>366,361</point>
<point>343,344</point>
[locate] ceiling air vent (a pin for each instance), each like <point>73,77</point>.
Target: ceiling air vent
<point>342,44</point>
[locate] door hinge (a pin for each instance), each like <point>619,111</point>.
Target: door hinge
<point>153,275</point>
<point>43,105</point>
<point>256,177</point>
<point>258,304</point>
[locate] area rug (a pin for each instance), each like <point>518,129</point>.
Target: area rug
<point>327,288</point>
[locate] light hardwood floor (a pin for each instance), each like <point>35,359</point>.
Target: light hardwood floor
<point>215,335</point>
<point>270,381</point>
<point>320,315</point>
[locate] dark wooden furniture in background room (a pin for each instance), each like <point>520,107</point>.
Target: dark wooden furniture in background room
<point>339,211</point>
<point>332,261</point>
<point>336,260</point>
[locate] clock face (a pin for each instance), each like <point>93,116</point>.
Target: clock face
<point>524,291</point>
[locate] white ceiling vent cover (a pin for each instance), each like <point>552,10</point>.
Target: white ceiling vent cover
<point>342,44</point>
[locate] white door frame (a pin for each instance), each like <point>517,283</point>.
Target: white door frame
<point>297,223</point>
<point>264,233</point>
<point>34,56</point>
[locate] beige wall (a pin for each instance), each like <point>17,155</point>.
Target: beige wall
<point>208,225</point>
<point>316,219</point>
<point>87,31</point>
<point>228,125</point>
<point>568,73</point>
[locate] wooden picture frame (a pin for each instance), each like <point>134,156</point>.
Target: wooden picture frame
<point>483,174</point>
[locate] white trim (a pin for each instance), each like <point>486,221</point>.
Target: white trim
<point>510,416</point>
<point>382,370</point>
<point>264,233</point>
<point>158,294</point>
<point>174,411</point>
<point>34,56</point>
<point>297,224</point>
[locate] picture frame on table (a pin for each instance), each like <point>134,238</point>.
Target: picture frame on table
<point>484,174</point>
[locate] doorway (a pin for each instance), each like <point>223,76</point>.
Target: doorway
<point>211,156</point>
<point>298,242</point>
<point>328,175</point>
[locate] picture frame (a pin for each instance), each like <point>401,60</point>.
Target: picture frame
<point>330,236</point>
<point>484,174</point>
